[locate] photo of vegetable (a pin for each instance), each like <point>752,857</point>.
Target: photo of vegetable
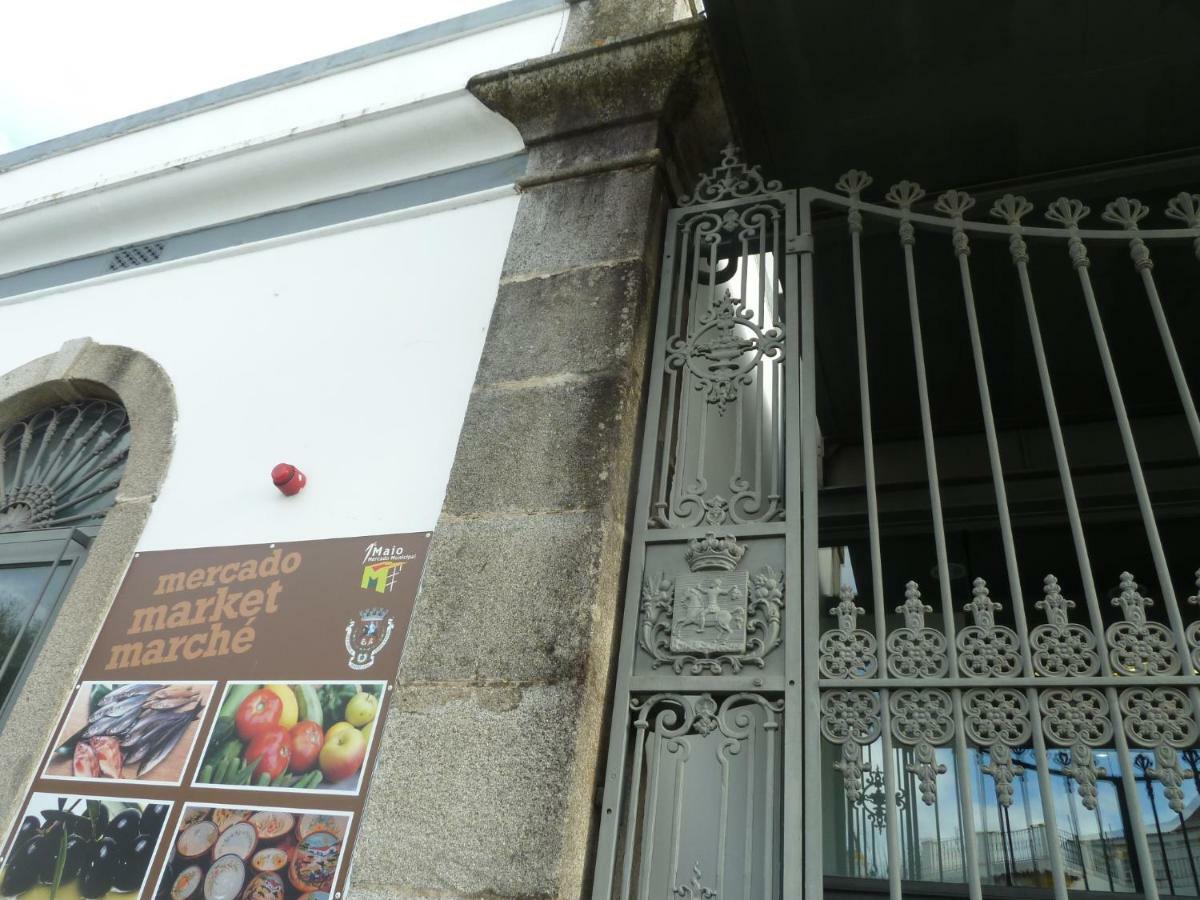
<point>82,848</point>
<point>301,736</point>
<point>231,853</point>
<point>130,731</point>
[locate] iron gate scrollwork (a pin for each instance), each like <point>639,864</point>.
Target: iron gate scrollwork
<point>767,728</point>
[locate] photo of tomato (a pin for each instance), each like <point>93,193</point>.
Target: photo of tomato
<point>301,736</point>
<point>307,740</point>
<point>261,710</point>
<point>246,854</point>
<point>272,750</point>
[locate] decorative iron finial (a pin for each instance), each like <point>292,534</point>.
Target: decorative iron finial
<point>1127,213</point>
<point>1011,208</point>
<point>854,182</point>
<point>954,203</point>
<point>913,608</point>
<point>1067,212</point>
<point>847,611</point>
<point>904,194</point>
<point>1054,603</point>
<point>981,606</point>
<point>1185,207</point>
<point>1133,604</point>
<point>731,178</point>
<point>1195,598</point>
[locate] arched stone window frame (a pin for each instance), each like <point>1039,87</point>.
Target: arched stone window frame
<point>83,369</point>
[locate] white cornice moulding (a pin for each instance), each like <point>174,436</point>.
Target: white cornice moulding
<point>279,171</point>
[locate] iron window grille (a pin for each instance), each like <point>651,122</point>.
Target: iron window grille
<point>59,473</point>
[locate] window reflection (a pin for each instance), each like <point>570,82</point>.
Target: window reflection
<point>1013,842</point>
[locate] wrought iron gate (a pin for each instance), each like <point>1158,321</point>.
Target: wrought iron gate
<point>770,735</point>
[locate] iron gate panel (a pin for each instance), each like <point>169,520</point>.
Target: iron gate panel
<point>770,734</point>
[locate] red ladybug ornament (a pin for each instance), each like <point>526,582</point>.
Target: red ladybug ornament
<point>288,479</point>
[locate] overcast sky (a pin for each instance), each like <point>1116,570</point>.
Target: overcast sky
<point>70,64</point>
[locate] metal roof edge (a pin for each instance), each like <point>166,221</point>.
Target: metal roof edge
<point>439,32</point>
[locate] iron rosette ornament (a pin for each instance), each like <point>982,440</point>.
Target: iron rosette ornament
<point>1138,646</point>
<point>997,719</point>
<point>848,651</point>
<point>922,720</point>
<point>1061,647</point>
<point>851,720</point>
<point>1162,720</point>
<point>915,650</point>
<point>1079,720</point>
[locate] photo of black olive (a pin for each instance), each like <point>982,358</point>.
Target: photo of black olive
<point>124,827</point>
<point>52,842</point>
<point>21,873</point>
<point>132,868</point>
<point>153,817</point>
<point>78,850</point>
<point>29,827</point>
<point>100,872</point>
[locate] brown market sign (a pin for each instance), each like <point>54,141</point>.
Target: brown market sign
<point>220,741</point>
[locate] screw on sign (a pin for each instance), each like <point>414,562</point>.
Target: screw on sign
<point>288,479</point>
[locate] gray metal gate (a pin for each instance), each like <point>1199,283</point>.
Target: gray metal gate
<point>769,734</point>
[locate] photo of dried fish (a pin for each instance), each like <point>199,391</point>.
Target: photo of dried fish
<point>130,731</point>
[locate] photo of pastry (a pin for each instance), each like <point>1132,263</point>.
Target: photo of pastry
<point>307,736</point>
<point>130,731</point>
<point>82,848</point>
<point>233,853</point>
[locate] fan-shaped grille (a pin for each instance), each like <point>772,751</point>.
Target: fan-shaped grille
<point>61,466</point>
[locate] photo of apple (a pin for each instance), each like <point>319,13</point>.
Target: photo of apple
<point>292,736</point>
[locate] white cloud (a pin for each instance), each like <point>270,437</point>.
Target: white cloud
<point>70,64</point>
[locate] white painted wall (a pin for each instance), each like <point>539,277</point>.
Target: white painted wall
<point>349,352</point>
<point>388,120</point>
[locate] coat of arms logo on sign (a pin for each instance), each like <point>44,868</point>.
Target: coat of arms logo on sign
<point>367,635</point>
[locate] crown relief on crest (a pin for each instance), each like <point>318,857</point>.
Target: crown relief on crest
<point>714,553</point>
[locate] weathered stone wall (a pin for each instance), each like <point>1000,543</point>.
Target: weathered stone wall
<point>489,763</point>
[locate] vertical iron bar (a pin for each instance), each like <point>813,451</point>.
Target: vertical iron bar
<point>1162,842</point>
<point>1131,455</point>
<point>962,760</point>
<point>1128,213</point>
<point>807,692</point>
<point>962,250</point>
<point>1164,331</point>
<point>635,787</point>
<point>1166,588</point>
<point>1021,260</point>
<point>864,399</point>
<point>853,184</point>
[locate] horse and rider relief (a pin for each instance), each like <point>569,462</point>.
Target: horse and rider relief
<point>710,613</point>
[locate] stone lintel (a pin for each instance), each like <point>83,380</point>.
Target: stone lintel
<point>664,77</point>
